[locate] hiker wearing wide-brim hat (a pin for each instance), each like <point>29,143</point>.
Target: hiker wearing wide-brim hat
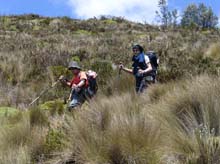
<point>74,65</point>
<point>78,85</point>
<point>140,68</point>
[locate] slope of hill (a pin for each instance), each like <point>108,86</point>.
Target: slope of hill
<point>176,121</point>
<point>35,50</point>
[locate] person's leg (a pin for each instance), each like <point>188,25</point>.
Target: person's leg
<point>88,94</point>
<point>75,101</point>
<point>140,84</point>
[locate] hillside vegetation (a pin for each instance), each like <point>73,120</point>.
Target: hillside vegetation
<point>36,50</point>
<point>175,121</point>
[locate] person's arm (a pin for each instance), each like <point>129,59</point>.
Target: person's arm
<point>127,70</point>
<point>121,66</point>
<point>149,67</point>
<point>63,80</point>
<point>81,83</point>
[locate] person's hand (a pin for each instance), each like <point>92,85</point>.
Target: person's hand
<point>141,71</point>
<point>121,66</point>
<point>61,78</point>
<point>75,88</point>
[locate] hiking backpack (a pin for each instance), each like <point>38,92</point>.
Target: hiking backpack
<point>93,87</point>
<point>153,59</point>
<point>154,63</point>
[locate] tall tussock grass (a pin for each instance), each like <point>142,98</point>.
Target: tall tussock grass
<point>192,120</point>
<point>23,138</point>
<point>180,125</point>
<point>114,130</point>
<point>177,122</point>
<point>13,139</point>
<point>213,51</point>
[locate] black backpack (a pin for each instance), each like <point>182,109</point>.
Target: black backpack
<point>154,63</point>
<point>93,87</point>
<point>153,59</point>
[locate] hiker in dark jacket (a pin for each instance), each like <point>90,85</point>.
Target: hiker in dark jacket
<point>78,85</point>
<point>141,68</point>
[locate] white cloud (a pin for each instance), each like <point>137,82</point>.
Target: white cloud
<point>219,20</point>
<point>135,10</point>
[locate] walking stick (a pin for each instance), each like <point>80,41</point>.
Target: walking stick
<point>43,92</point>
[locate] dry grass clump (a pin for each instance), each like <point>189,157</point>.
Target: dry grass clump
<point>25,138</point>
<point>13,139</point>
<point>177,122</point>
<point>191,119</point>
<point>213,51</point>
<point>114,130</point>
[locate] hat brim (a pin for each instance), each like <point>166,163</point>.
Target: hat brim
<point>71,68</point>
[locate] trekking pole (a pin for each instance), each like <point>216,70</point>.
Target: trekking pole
<point>119,72</point>
<point>71,93</point>
<point>70,96</point>
<point>43,92</point>
<point>119,76</point>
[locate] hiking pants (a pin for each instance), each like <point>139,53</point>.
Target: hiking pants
<point>77,98</point>
<point>143,82</point>
<point>140,84</point>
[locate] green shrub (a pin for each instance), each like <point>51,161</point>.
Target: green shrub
<point>53,142</point>
<point>66,19</point>
<point>8,111</point>
<point>104,70</point>
<point>57,71</point>
<point>38,117</point>
<point>45,21</point>
<point>75,58</point>
<point>55,107</point>
<point>110,21</point>
<point>83,32</point>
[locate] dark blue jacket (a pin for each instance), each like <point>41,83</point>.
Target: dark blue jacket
<point>138,63</point>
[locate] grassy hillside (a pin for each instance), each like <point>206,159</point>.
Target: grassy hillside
<point>176,121</point>
<point>35,51</point>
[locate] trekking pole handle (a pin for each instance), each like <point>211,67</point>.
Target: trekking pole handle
<point>121,66</point>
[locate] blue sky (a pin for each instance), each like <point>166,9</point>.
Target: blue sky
<point>136,10</point>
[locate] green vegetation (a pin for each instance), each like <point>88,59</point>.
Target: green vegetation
<point>55,107</point>
<point>194,16</point>
<point>7,111</point>
<point>199,16</point>
<point>175,121</point>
